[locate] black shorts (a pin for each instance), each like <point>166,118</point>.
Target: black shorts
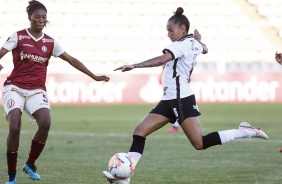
<point>177,109</point>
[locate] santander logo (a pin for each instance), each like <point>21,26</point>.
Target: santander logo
<point>33,57</point>
<point>251,90</point>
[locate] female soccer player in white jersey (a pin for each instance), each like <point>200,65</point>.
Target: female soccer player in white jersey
<point>178,100</point>
<point>175,126</point>
<point>25,88</point>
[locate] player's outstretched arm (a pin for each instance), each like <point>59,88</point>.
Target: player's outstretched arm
<point>278,57</point>
<point>81,67</point>
<point>125,68</point>
<point>156,61</point>
<point>198,37</point>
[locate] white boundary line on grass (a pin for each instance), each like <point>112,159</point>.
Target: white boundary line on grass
<point>92,134</point>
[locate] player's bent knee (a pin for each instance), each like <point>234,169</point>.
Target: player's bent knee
<point>44,125</point>
<point>198,145</point>
<point>139,132</point>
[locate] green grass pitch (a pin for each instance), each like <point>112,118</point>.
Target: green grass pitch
<point>83,138</point>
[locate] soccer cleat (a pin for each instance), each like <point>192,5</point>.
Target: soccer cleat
<point>12,178</point>
<point>173,129</point>
<point>31,170</point>
<point>252,131</point>
<point>14,181</point>
<point>112,179</point>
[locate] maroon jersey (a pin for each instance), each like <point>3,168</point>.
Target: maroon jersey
<point>30,57</point>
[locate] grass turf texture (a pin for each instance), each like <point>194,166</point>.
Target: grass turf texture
<point>83,138</point>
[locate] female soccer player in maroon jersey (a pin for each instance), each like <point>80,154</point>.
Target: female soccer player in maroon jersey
<point>25,88</point>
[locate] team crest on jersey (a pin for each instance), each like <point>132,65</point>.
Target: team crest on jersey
<point>44,48</point>
<point>10,103</point>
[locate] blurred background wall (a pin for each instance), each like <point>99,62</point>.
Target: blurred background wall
<point>242,36</point>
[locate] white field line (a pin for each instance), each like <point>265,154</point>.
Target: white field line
<point>92,134</point>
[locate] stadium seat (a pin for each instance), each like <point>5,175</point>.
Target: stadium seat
<point>129,29</point>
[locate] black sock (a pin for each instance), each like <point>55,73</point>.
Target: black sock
<point>29,162</point>
<point>12,175</point>
<point>138,144</point>
<point>211,139</point>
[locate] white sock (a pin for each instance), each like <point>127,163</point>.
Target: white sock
<point>230,135</point>
<point>176,124</point>
<point>136,156</point>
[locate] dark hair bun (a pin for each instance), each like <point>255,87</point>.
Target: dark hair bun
<point>179,11</point>
<point>32,1</point>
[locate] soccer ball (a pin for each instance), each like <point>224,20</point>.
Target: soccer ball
<point>121,166</point>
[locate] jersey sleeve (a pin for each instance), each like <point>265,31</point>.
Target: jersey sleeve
<point>11,42</point>
<point>199,46</point>
<point>176,49</point>
<point>58,50</point>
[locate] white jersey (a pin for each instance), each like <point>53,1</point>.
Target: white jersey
<point>177,72</point>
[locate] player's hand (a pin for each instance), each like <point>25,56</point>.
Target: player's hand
<point>102,78</point>
<point>197,35</point>
<point>125,68</point>
<point>278,57</point>
<point>1,67</point>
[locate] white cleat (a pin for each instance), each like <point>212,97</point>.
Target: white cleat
<point>112,179</point>
<point>252,131</point>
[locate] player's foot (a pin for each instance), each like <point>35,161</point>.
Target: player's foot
<point>252,131</point>
<point>12,178</point>
<point>14,181</point>
<point>173,129</point>
<point>31,170</point>
<point>112,179</point>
